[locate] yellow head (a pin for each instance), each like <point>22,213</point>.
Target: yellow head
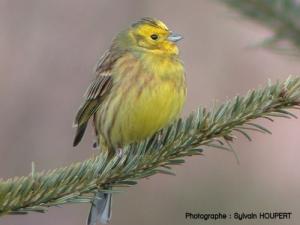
<point>149,35</point>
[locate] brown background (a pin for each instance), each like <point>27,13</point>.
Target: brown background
<point>47,51</point>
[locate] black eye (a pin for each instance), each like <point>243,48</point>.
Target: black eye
<point>154,36</point>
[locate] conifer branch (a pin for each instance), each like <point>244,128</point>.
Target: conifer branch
<point>282,16</point>
<point>78,182</point>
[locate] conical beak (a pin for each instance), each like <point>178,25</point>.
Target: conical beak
<point>174,37</point>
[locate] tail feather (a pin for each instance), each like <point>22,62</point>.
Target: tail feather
<point>100,209</point>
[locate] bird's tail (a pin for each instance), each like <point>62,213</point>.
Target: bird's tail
<point>101,209</point>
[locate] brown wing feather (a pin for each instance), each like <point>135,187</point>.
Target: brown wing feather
<point>95,94</point>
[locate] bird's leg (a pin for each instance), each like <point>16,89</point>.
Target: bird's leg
<point>119,152</point>
<point>160,133</point>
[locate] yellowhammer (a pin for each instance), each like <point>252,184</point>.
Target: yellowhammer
<point>139,88</point>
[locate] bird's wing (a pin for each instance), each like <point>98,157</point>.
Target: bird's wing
<point>95,94</point>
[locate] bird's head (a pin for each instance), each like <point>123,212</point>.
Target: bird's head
<point>150,35</point>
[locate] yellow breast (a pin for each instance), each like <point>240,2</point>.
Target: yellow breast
<point>142,102</point>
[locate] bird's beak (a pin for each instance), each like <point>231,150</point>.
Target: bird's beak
<point>174,37</point>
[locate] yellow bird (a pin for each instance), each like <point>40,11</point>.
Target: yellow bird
<point>139,88</point>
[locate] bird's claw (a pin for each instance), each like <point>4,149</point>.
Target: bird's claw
<point>96,146</point>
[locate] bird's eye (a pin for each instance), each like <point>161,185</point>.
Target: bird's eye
<point>154,36</point>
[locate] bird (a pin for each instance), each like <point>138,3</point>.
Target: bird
<point>138,89</point>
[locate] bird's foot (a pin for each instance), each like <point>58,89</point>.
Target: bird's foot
<point>119,152</point>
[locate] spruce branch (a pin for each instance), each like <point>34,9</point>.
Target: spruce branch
<point>281,16</point>
<point>78,182</point>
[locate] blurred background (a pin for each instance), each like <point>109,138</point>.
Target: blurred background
<point>47,52</point>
